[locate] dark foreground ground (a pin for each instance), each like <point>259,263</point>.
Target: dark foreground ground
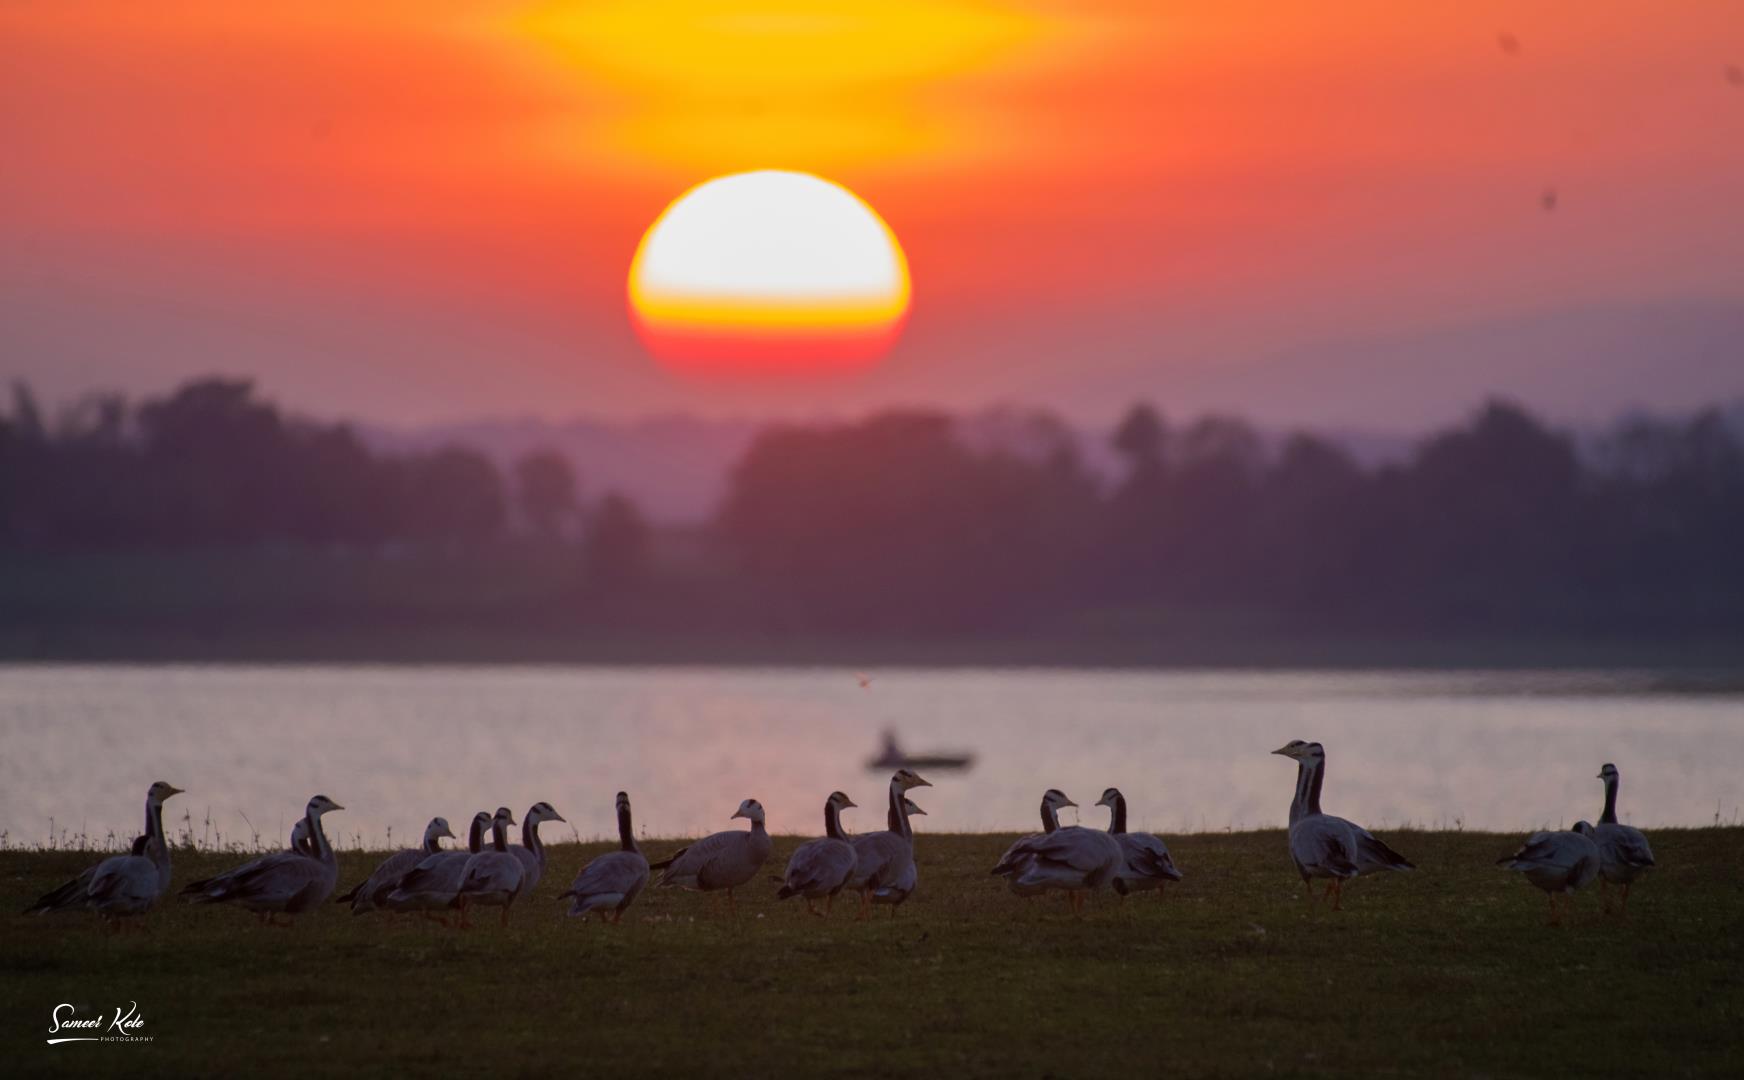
<point>1446,971</point>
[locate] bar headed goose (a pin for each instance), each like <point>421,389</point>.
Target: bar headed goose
<point>1016,860</point>
<point>531,850</point>
<point>430,886</point>
<point>284,882</point>
<point>1557,862</point>
<point>611,882</point>
<point>373,890</point>
<point>1321,844</point>
<point>1071,858</point>
<point>75,895</point>
<point>723,860</point>
<point>495,876</point>
<point>819,869</point>
<point>1624,854</point>
<point>884,861</point>
<point>1148,863</point>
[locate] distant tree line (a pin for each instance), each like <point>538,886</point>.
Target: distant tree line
<point>918,522</point>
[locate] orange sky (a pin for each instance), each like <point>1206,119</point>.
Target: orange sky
<point>413,211</point>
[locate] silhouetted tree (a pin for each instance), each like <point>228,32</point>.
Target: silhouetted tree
<point>546,492</point>
<point>617,547</point>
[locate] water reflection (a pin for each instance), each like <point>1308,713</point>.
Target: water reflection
<point>1503,751</point>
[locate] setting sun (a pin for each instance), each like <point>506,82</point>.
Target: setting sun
<point>769,272</point>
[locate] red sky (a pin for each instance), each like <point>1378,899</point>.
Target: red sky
<point>411,212</point>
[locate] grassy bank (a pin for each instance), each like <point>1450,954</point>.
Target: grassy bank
<point>1446,971</point>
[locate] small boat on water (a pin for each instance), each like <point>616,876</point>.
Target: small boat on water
<point>892,756</point>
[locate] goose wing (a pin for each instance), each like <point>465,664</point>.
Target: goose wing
<point>436,878</point>
<point>1323,846</point>
<point>531,868</point>
<point>1077,848</point>
<point>1625,844</point>
<point>818,866</point>
<point>1016,856</point>
<point>125,884</point>
<point>699,864</point>
<point>370,892</point>
<point>1147,857</point>
<point>272,883</point>
<point>71,896</point>
<point>877,858</point>
<point>1372,855</point>
<point>610,881</point>
<point>491,872</point>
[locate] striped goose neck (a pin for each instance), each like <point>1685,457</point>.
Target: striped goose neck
<point>897,818</point>
<point>432,842</point>
<point>1117,812</point>
<point>626,835</point>
<point>318,837</point>
<point>499,835</point>
<point>1609,817</point>
<point>157,848</point>
<point>530,838</point>
<point>1050,817</point>
<point>475,837</point>
<point>1309,777</point>
<point>833,821</point>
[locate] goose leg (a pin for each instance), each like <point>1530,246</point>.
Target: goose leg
<point>1626,899</point>
<point>732,905</point>
<point>1308,890</point>
<point>812,907</point>
<point>1337,891</point>
<point>865,905</point>
<point>829,904</point>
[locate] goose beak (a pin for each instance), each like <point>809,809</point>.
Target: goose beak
<point>849,804</point>
<point>1067,803</point>
<point>921,781</point>
<point>1284,750</point>
<point>738,814</point>
<point>555,816</point>
<point>336,806</point>
<point>174,790</point>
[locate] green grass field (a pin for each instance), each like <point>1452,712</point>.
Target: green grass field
<point>1446,971</point>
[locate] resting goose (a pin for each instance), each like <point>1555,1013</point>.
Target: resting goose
<point>531,851</point>
<point>495,876</point>
<point>1325,846</point>
<point>284,882</point>
<point>372,891</point>
<point>724,860</point>
<point>75,895</point>
<point>1557,862</point>
<point>300,842</point>
<point>1071,858</point>
<point>612,881</point>
<point>884,861</point>
<point>431,884</point>
<point>1148,863</point>
<point>818,869</point>
<point>1016,859</point>
<point>1624,854</point>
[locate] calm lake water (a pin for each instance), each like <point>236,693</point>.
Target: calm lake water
<point>395,745</point>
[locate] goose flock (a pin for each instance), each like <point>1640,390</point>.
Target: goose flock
<point>879,867</point>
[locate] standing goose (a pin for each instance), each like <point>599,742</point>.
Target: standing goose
<point>903,883</point>
<point>612,881</point>
<point>372,891</point>
<point>75,895</point>
<point>1071,858</point>
<point>531,851</point>
<point>1148,863</point>
<point>495,876</point>
<point>724,860</point>
<point>1016,860</point>
<point>430,885</point>
<point>1325,846</point>
<point>1557,862</point>
<point>1623,851</point>
<point>820,868</point>
<point>284,882</point>
<point>885,860</point>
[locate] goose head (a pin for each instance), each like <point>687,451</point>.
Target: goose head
<point>160,791</point>
<point>1109,798</point>
<point>140,843</point>
<point>840,801</point>
<point>504,817</point>
<point>1303,752</point>
<point>751,810</point>
<point>321,804</point>
<point>906,779</point>
<point>1056,800</point>
<point>437,829</point>
<point>1585,828</point>
<point>909,808</point>
<point>542,811</point>
<point>1608,772</point>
